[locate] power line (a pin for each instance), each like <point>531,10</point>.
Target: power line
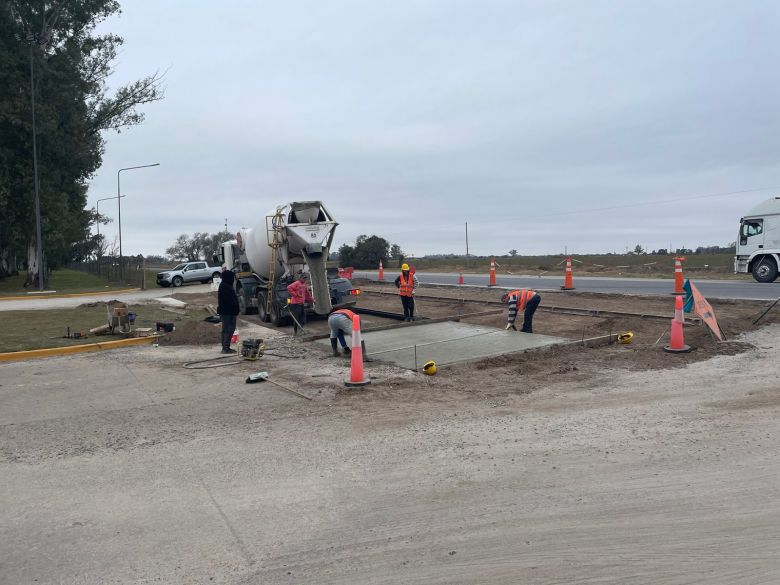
<point>646,203</point>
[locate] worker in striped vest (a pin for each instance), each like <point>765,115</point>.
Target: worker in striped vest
<point>407,283</point>
<point>521,300</point>
<point>340,323</point>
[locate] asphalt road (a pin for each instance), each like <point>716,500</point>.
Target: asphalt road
<point>716,289</point>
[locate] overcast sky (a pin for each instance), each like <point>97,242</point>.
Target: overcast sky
<point>409,118</point>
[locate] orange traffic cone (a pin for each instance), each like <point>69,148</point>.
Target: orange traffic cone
<point>678,276</point>
<point>568,282</point>
<point>460,278</point>
<point>492,281</point>
<point>677,337</point>
<point>357,376</point>
<point>381,270</point>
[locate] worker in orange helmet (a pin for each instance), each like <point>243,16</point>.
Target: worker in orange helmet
<point>407,283</point>
<point>521,300</point>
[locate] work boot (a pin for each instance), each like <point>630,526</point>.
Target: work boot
<point>229,350</point>
<point>334,345</point>
<point>347,350</point>
<point>526,331</point>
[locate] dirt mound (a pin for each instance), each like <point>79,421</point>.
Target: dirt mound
<point>193,333</point>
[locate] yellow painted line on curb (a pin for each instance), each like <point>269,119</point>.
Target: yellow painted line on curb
<point>55,351</point>
<point>68,295</point>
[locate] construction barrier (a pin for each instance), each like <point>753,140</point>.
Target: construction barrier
<point>568,281</point>
<point>381,270</point>
<point>676,336</point>
<point>346,272</point>
<point>357,376</point>
<point>492,281</point>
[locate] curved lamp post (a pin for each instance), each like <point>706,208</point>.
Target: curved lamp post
<point>119,208</point>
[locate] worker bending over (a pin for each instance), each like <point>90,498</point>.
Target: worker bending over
<point>407,283</point>
<point>521,300</point>
<point>299,295</point>
<point>340,323</point>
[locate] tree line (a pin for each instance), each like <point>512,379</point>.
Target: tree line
<point>73,108</point>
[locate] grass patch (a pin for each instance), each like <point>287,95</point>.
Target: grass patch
<point>62,281</point>
<point>25,330</point>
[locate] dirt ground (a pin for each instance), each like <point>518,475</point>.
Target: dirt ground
<point>566,466</point>
<point>645,351</point>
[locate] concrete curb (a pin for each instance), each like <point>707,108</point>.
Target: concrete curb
<point>69,295</point>
<point>57,351</point>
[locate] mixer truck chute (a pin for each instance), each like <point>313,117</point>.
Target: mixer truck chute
<point>293,239</point>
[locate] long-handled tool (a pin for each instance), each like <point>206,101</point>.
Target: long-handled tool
<point>263,377</point>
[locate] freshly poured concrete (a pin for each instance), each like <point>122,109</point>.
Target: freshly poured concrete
<point>447,343</point>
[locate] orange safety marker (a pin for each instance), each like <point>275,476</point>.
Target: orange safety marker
<point>381,270</point>
<point>678,276</point>
<point>677,337</point>
<point>568,282</point>
<point>492,281</point>
<point>460,278</point>
<point>357,376</point>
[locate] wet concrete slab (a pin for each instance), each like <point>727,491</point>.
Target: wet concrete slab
<point>447,343</point>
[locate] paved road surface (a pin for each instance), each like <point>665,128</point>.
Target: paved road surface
<point>716,289</point>
<point>69,302</point>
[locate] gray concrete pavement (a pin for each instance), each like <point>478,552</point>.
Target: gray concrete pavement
<point>716,289</point>
<point>448,343</point>
<point>41,303</point>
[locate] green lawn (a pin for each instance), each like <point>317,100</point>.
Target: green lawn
<point>24,330</point>
<point>62,281</point>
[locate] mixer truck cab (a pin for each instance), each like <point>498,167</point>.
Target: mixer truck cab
<point>758,242</point>
<point>294,238</point>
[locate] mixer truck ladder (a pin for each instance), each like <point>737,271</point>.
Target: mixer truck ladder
<point>275,236</point>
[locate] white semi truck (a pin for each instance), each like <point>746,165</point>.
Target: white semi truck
<point>758,243</point>
<point>293,239</point>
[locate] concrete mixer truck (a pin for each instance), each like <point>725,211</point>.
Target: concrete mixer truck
<point>293,239</point>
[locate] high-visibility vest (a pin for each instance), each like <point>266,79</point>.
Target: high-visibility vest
<point>523,296</point>
<point>407,285</point>
<point>350,315</point>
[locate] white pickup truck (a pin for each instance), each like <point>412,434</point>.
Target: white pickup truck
<point>188,272</point>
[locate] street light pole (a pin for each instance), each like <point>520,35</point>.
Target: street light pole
<point>119,209</point>
<point>97,222</point>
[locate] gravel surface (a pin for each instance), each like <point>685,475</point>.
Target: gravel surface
<point>124,467</point>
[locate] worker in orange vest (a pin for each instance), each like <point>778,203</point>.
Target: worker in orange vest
<point>521,300</point>
<point>407,283</point>
<point>340,323</point>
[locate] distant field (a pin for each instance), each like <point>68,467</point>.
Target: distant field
<point>608,264</point>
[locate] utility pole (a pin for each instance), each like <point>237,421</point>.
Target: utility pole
<point>467,242</point>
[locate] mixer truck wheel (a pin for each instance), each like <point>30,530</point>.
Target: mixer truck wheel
<point>242,302</point>
<point>261,311</point>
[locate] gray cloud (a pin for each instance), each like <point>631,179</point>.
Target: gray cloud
<point>410,118</point>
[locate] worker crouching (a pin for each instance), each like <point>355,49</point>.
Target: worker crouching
<point>521,300</point>
<point>340,324</point>
<point>406,283</point>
